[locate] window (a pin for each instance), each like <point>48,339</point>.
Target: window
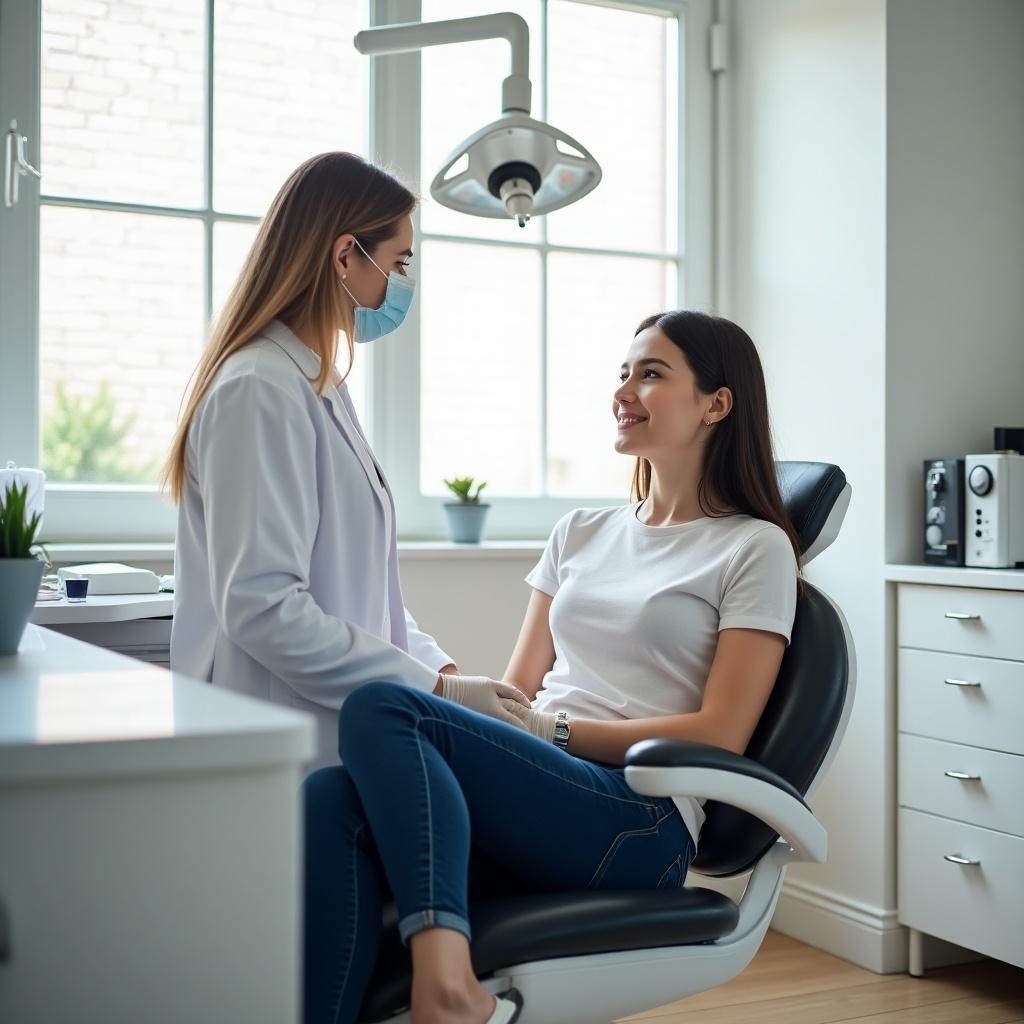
<point>521,332</point>
<point>162,129</point>
<point>165,129</point>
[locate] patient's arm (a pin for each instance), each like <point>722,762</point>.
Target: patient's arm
<point>739,684</point>
<point>534,652</point>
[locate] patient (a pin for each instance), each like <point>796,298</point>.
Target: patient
<point>666,617</point>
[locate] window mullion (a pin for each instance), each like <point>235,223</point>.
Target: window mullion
<point>20,58</point>
<point>544,269</point>
<point>393,365</point>
<point>208,85</point>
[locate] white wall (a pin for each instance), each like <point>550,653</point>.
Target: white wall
<point>807,81</point>
<point>877,241</point>
<point>955,353</point>
<point>473,606</point>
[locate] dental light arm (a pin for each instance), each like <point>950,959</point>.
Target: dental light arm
<point>516,166</point>
<point>516,90</point>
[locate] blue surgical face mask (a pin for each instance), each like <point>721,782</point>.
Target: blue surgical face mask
<point>371,324</point>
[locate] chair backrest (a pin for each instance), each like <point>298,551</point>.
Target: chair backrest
<point>796,731</point>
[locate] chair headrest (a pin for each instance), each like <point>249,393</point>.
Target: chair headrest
<point>816,495</point>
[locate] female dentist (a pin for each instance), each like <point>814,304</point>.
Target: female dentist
<point>286,566</point>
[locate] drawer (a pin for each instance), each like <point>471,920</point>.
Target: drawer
<point>993,800</point>
<point>993,630</point>
<point>988,715</point>
<point>980,906</point>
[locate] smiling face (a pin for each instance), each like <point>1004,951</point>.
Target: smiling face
<point>658,406</point>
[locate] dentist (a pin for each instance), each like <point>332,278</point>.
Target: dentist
<point>286,563</point>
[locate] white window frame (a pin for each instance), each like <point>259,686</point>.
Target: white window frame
<point>84,512</point>
<point>394,378</point>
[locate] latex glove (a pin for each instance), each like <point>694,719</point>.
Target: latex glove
<point>488,696</point>
<point>540,723</point>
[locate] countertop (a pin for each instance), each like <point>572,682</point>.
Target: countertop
<point>72,710</point>
<point>105,608</point>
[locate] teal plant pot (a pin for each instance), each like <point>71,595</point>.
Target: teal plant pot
<point>19,585</point>
<point>466,521</point>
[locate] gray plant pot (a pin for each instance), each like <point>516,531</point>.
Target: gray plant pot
<point>466,521</point>
<point>19,585</point>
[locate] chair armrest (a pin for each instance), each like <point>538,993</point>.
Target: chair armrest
<point>680,768</point>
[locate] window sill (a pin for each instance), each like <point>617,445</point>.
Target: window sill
<point>72,553</point>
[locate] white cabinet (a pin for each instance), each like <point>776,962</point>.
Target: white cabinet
<point>960,754</point>
<point>150,842</point>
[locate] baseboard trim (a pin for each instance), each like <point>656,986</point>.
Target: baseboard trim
<point>865,935</point>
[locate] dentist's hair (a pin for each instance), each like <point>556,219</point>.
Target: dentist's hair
<point>288,273</point>
<point>739,462</point>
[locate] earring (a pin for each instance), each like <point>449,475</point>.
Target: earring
<point>707,423</point>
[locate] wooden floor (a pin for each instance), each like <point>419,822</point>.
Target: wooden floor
<point>790,983</point>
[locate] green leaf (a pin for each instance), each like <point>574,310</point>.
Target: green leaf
<point>16,536</point>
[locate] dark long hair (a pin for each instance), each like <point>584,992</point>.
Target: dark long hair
<point>739,462</point>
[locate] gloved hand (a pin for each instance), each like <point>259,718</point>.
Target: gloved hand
<point>488,696</point>
<point>540,723</point>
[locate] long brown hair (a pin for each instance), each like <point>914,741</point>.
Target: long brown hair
<point>739,462</point>
<point>288,273</point>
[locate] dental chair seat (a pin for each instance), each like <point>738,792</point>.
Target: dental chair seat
<point>548,925</point>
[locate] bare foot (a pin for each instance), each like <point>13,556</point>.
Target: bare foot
<point>432,1004</point>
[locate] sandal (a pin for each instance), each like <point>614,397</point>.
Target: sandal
<point>507,1008</point>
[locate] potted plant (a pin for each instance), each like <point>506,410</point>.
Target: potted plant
<point>466,515</point>
<point>20,567</point>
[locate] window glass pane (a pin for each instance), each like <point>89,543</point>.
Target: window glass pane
<point>231,242</point>
<point>480,367</point>
<point>288,84</point>
<point>461,94</point>
<point>122,100</point>
<point>120,330</point>
<point>594,306</point>
<point>623,111</point>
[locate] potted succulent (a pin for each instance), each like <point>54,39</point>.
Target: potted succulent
<point>20,567</point>
<point>466,515</point>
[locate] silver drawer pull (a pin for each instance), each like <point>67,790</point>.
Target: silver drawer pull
<point>962,775</point>
<point>954,858</point>
<point>961,682</point>
<point>962,616</point>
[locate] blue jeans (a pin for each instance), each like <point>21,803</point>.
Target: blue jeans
<point>435,803</point>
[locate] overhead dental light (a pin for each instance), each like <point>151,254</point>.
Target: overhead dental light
<point>516,166</point>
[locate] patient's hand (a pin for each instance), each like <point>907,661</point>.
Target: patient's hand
<point>488,696</point>
<point>540,723</point>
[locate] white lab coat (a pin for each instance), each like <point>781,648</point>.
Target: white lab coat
<point>286,561</point>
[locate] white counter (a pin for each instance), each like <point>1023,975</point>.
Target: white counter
<point>68,709</point>
<point>956,576</point>
<point>149,823</point>
<point>107,608</point>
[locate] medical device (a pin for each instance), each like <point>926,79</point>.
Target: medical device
<point>516,166</point>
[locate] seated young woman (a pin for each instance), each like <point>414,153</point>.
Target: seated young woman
<point>665,617</point>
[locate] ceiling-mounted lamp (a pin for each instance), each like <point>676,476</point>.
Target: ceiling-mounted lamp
<point>516,166</point>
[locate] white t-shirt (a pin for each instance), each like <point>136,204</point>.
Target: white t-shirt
<point>637,609</point>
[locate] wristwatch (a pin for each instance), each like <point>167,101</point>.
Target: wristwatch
<point>563,729</point>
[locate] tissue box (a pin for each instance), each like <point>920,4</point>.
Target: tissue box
<point>112,578</point>
<point>35,479</point>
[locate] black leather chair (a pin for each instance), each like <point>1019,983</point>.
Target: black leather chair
<point>584,957</point>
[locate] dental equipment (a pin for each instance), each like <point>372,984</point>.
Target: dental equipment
<point>516,166</point>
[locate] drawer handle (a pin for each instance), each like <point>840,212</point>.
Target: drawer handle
<point>954,858</point>
<point>962,775</point>
<point>961,682</point>
<point>962,616</point>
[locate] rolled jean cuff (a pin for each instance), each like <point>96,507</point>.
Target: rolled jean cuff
<point>424,919</point>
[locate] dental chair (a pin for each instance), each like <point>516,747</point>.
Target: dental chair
<point>591,957</point>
